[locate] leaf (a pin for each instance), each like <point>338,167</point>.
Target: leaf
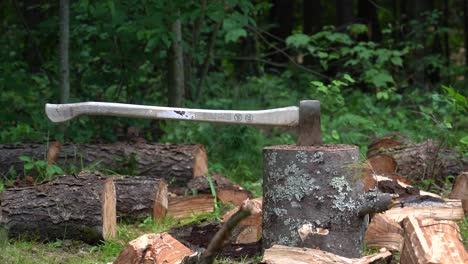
<point>234,35</point>
<point>397,61</point>
<point>348,78</point>
<point>358,29</point>
<point>464,140</point>
<point>335,134</point>
<point>25,158</point>
<point>298,40</point>
<point>381,79</point>
<point>28,166</point>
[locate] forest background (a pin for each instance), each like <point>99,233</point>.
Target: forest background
<point>377,66</point>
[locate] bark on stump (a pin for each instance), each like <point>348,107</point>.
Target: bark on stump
<point>141,196</point>
<point>313,197</point>
<point>76,207</point>
<point>176,163</point>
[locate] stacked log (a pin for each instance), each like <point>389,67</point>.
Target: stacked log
<point>226,191</point>
<point>460,190</point>
<point>185,206</point>
<point>175,163</point>
<point>395,153</point>
<point>141,196</point>
<point>77,207</point>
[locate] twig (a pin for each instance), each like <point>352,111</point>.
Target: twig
<point>216,245</point>
<point>206,63</point>
<point>291,59</point>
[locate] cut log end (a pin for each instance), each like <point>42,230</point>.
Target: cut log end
<point>160,201</point>
<point>200,166</point>
<point>109,212</point>
<point>185,206</point>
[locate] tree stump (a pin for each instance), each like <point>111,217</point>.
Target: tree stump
<point>141,196</point>
<point>76,207</point>
<point>313,197</point>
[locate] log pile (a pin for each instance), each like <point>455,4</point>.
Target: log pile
<point>395,153</point>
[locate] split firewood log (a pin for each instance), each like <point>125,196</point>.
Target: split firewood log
<point>395,153</point>
<point>217,243</point>
<point>81,207</point>
<point>141,196</point>
<point>460,190</point>
<point>432,241</point>
<point>384,233</point>
<point>448,210</point>
<point>185,206</point>
<point>248,230</point>
<point>176,163</point>
<point>153,249</point>
<point>398,186</point>
<point>286,255</point>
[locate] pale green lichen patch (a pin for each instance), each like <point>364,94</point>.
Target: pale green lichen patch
<point>280,212</point>
<point>317,157</point>
<point>343,189</point>
<point>296,184</point>
<point>301,156</point>
<point>272,158</point>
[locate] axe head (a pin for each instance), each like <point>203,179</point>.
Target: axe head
<point>309,133</point>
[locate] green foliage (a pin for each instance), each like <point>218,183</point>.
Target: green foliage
<point>213,192</point>
<point>41,168</point>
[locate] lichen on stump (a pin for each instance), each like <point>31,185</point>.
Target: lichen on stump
<point>313,196</point>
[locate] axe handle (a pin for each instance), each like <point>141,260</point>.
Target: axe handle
<point>287,116</point>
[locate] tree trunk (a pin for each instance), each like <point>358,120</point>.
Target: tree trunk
<point>282,20</point>
<point>367,14</point>
<point>314,197</point>
<point>74,207</point>
<point>465,31</point>
<point>312,16</point>
<point>141,196</point>
<point>344,12</point>
<point>176,67</point>
<point>177,164</point>
<point>64,44</point>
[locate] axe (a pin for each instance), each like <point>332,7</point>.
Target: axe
<point>306,117</point>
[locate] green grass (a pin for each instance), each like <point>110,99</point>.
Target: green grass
<point>24,251</point>
<point>463,224</point>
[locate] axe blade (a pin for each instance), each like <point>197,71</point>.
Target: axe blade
<point>309,133</point>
